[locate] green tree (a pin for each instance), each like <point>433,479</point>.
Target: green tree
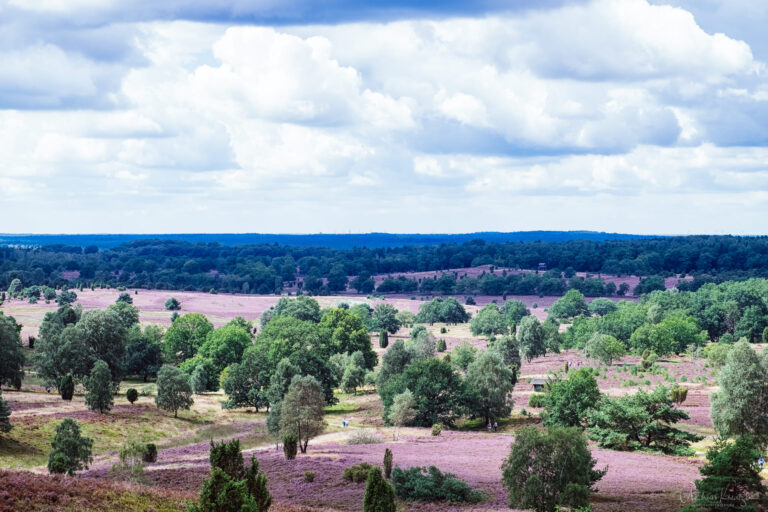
<point>440,309</point>
<point>402,412</point>
<point>343,332</point>
<point>383,339</point>
<point>732,479</point>
<point>70,452</point>
<point>740,406</point>
<point>393,362</point>
<point>172,304</point>
<point>302,410</point>
<point>301,308</point>
<point>337,279</point>
<point>173,390</point>
<point>422,346</point>
<point>225,346</point>
<point>463,355</point>
<point>12,360</point>
<point>185,336</point>
<point>514,311</point>
<point>604,348</point>
<point>488,322</point>
<point>530,338</point>
<point>67,387</point>
<point>352,378</point>
<point>379,495</point>
<point>569,400</point>
<point>601,306</point>
<point>385,319</point>
<point>128,314</point>
<point>406,318</point>
<point>125,297</point>
<point>104,334</point>
<point>131,464</point>
<point>99,396</point>
<point>489,384</point>
<point>643,421</point>
<point>143,351</point>
<point>5,415</point>
<point>281,380</point>
<point>509,350</point>
<point>363,282</point>
<point>545,470</point>
<point>570,305</point>
<point>14,288</point>
<point>221,493</point>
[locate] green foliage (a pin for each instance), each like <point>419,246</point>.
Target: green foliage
<point>570,305</point>
<point>601,306</point>
<point>225,346</point>
<point>173,390</point>
<point>67,387</point>
<point>309,476</point>
<point>131,465</point>
<point>439,309</point>
<point>186,335</point>
<point>649,284</point>
<point>220,493</point>
<point>172,304</point>
<point>99,396</point>
<point>422,346</point>
<point>514,311</point>
<point>489,384</point>
<point>431,484</point>
<point>441,346</point>
<point>406,318</point>
<point>437,429</point>
<point>536,400</point>
<point>70,452</point>
<point>379,495</point>
<point>549,469</point>
<point>302,410</point>
<point>716,354</point>
<point>604,348</point>
<point>125,297</point>
<point>671,335</point>
<point>290,445</point>
<point>488,321</point>
<point>463,355</point>
<point>357,473</point>
<point>387,463</point>
<point>403,410</point>
<point>643,421</point>
<point>12,360</point>
<point>648,359</point>
<point>740,407</point>
<point>530,338</point>
<point>383,339</point>
<point>678,394</point>
<point>143,351</point>
<point>569,400</point>
<point>132,395</point>
<point>5,415</point>
<point>384,319</point>
<point>150,453</point>
<point>732,480</point>
<point>226,455</point>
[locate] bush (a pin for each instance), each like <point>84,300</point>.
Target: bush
<point>443,330</point>
<point>290,445</point>
<point>150,453</point>
<point>536,456</point>
<point>357,473</point>
<point>387,463</point>
<point>71,452</point>
<point>228,457</point>
<point>67,387</point>
<point>132,395</point>
<point>649,359</point>
<point>430,484</point>
<point>383,339</point>
<point>437,429</point>
<point>363,436</point>
<point>379,495</point>
<point>536,400</point>
<point>172,304</point>
<point>309,476</point>
<point>441,346</point>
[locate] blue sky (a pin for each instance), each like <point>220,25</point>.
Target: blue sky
<point>636,116</point>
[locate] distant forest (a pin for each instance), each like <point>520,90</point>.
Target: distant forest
<point>269,268</point>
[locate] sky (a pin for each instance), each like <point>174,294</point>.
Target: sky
<point>287,116</point>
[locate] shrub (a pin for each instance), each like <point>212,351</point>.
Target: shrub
<point>71,452</point>
<point>309,476</point>
<point>536,400</point>
<point>132,395</point>
<point>443,330</point>
<point>172,304</point>
<point>5,415</point>
<point>67,387</point>
<point>649,359</point>
<point>383,339</point>
<point>228,457</point>
<point>363,436</point>
<point>536,456</point>
<point>470,301</point>
<point>387,463</point>
<point>290,445</point>
<point>357,473</point>
<point>441,346</point>
<point>99,396</point>
<point>148,390</point>
<point>430,484</point>
<point>131,465</point>
<point>150,453</point>
<point>379,495</point>
<point>437,429</point>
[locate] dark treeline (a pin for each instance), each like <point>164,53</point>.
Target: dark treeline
<point>164,264</point>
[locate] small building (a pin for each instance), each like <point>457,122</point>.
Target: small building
<point>538,385</point>
<point>542,267</point>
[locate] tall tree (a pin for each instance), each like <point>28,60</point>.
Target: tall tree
<point>185,336</point>
<point>302,410</point>
<point>12,359</point>
<point>99,395</point>
<point>385,319</point>
<point>70,452</point>
<point>489,384</point>
<point>173,390</point>
<point>569,400</point>
<point>5,415</point>
<point>530,338</point>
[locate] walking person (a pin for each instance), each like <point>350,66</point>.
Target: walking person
<point>495,426</point>
<point>489,426</point>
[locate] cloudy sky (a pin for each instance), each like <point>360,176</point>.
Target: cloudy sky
<point>643,116</point>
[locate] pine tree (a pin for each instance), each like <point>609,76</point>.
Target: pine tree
<point>387,463</point>
<point>67,387</point>
<point>99,386</point>
<point>383,339</point>
<point>256,482</point>
<point>379,495</point>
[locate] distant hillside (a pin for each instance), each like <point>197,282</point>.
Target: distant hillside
<point>333,241</point>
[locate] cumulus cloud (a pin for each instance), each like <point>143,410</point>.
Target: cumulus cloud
<point>606,102</point>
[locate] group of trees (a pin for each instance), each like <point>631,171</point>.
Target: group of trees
<point>672,321</point>
<point>165,264</point>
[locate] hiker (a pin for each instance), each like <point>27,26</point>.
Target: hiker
<point>489,426</point>
<point>495,426</point>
